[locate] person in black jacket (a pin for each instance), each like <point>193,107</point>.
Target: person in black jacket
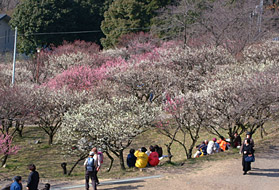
<point>33,178</point>
<point>159,150</point>
<point>131,159</point>
<point>247,151</point>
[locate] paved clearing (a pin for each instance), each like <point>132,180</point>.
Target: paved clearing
<point>225,174</point>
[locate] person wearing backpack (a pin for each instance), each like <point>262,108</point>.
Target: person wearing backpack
<point>90,171</point>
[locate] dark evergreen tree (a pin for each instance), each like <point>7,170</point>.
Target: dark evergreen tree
<point>46,17</point>
<point>129,16</point>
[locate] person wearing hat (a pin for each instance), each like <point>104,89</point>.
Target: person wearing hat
<point>16,185</point>
<point>90,171</point>
<point>248,136</point>
<point>211,147</point>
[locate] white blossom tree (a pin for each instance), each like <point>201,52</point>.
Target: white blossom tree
<point>113,123</point>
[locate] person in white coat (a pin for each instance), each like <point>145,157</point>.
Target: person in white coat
<point>211,147</point>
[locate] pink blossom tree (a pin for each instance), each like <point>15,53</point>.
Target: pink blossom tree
<point>6,147</point>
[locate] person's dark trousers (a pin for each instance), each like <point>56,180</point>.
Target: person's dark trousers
<point>92,176</point>
<point>96,176</point>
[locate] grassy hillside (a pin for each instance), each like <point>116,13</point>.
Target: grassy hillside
<point>48,158</point>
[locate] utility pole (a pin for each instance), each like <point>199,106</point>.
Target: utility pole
<point>260,15</point>
<point>14,58</point>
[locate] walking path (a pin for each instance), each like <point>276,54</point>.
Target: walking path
<point>224,174</point>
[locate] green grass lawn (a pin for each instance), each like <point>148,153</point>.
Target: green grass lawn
<point>48,158</point>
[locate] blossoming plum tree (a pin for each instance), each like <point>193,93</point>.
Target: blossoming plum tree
<point>113,122</point>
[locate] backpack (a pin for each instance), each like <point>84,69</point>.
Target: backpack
<point>90,165</point>
<point>101,157</point>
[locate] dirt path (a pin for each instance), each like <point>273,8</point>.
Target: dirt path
<point>225,174</point>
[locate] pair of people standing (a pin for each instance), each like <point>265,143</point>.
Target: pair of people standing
<point>32,183</point>
<point>92,166</point>
<point>247,149</point>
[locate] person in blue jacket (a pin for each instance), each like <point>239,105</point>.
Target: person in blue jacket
<point>131,159</point>
<point>16,185</point>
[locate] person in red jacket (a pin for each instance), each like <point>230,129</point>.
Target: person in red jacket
<point>153,158</point>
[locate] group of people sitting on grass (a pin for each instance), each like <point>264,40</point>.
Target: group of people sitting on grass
<point>216,146</point>
<point>143,158</point>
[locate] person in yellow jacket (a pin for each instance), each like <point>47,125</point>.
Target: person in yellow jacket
<point>142,158</point>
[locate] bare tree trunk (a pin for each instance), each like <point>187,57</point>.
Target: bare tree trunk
<point>231,141</point>
<point>190,150</point>
<point>263,132</point>
<point>121,159</point>
<point>119,154</point>
<point>111,160</point>
<point>169,151</point>
<point>50,139</point>
<point>80,159</point>
<point>5,158</point>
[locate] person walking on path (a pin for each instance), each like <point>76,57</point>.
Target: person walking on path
<point>97,163</point>
<point>248,136</point>
<point>90,171</point>
<point>33,178</point>
<point>16,185</point>
<point>247,151</point>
